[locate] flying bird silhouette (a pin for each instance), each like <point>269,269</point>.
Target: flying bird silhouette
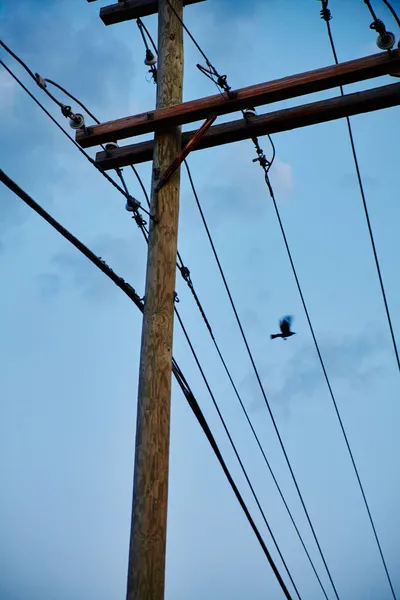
<point>284,326</point>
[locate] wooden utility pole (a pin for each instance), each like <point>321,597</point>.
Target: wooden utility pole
<point>146,569</point>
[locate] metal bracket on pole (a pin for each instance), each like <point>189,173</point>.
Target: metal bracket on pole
<point>184,152</point>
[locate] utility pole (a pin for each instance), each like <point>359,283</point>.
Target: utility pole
<point>146,569</point>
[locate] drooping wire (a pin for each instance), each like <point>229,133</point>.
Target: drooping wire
<point>265,164</point>
<point>64,91</point>
<point>141,25</point>
<point>149,55</point>
<point>362,192</point>
<point>182,382</point>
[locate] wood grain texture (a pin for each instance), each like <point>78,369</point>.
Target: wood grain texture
<point>146,569</point>
<point>274,122</point>
<point>132,9</point>
<point>255,95</point>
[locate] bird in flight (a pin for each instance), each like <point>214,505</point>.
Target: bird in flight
<point>284,326</point>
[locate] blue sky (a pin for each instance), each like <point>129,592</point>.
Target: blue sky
<point>69,342</point>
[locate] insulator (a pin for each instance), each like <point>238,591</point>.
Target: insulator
<point>77,121</point>
<point>150,59</point>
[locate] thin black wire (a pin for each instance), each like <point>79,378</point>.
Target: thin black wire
<point>190,35</point>
<point>361,185</point>
<point>234,448</point>
<point>143,30</point>
<point>393,11</point>
<point>266,165</point>
<point>244,408</point>
<point>130,292</point>
<point>371,10</point>
<point>143,27</point>
<point>60,87</point>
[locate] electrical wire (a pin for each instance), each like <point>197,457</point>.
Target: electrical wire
<point>371,10</point>
<point>265,165</point>
<point>327,18</point>
<point>393,11</point>
<point>182,382</point>
<point>149,55</point>
<point>143,29</point>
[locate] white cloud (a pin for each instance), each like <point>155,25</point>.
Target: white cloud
<point>282,176</point>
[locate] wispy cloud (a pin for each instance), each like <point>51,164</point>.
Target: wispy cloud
<point>282,176</point>
<point>73,266</point>
<point>355,360</point>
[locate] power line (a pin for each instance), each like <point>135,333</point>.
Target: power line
<point>327,17</point>
<point>127,288</point>
<point>265,164</point>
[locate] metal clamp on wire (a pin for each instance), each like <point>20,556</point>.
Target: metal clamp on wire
<point>325,13</point>
<point>40,81</point>
<point>185,274</point>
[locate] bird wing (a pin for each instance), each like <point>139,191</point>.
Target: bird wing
<point>285,324</point>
